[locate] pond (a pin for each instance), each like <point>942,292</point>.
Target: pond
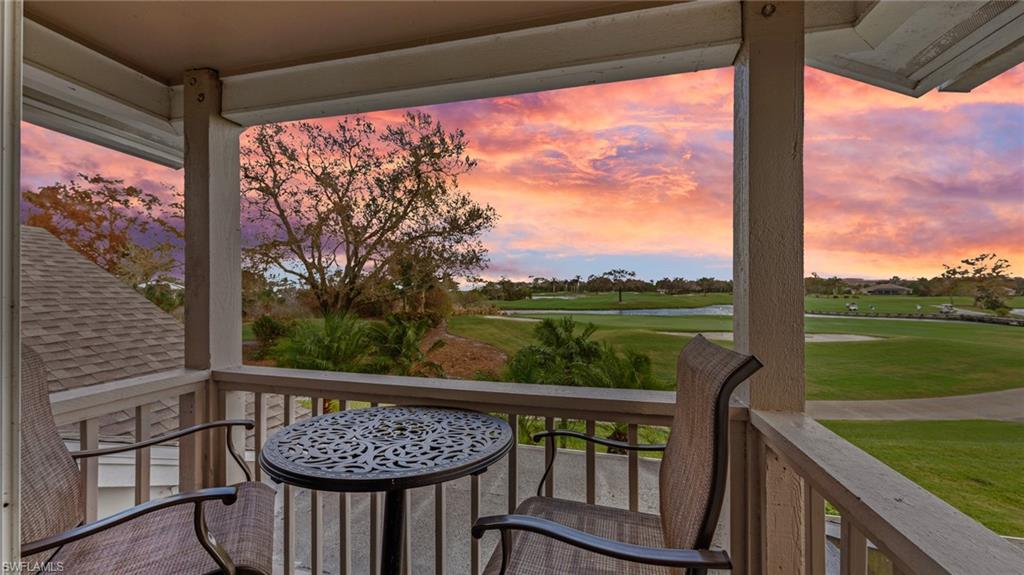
<point>681,311</point>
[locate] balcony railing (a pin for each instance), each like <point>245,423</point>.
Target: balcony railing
<point>915,530</point>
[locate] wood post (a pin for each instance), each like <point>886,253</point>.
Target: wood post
<point>213,305</point>
<point>10,341</point>
<point>768,202</point>
<point>768,262</point>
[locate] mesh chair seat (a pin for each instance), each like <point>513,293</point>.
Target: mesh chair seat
<point>691,482</point>
<point>164,542</point>
<point>534,554</point>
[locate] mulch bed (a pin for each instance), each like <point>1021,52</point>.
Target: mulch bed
<point>463,358</point>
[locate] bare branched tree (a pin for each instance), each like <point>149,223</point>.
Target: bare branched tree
<point>334,209</point>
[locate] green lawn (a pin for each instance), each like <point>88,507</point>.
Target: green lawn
<point>914,358</point>
<point>975,466</point>
<point>600,301</point>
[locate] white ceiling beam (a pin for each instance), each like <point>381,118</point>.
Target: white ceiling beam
<point>988,69</point>
<point>883,19</point>
<point>84,124</point>
<point>999,34</point>
<point>864,73</point>
<point>80,92</point>
<point>657,41</point>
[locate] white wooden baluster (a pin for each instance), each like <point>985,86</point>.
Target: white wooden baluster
<point>550,445</point>
<point>634,469</point>
<point>374,528</point>
<point>316,516</point>
<point>591,464</point>
<point>344,523</point>
<point>814,524</point>
<point>260,433</point>
<point>143,424</point>
<point>288,536</point>
<point>88,438</point>
<point>853,550</point>
<point>513,464</point>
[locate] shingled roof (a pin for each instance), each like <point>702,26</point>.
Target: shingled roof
<point>90,328</point>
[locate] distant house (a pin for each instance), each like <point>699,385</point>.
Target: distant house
<point>888,289</point>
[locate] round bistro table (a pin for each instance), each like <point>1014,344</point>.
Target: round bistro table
<point>387,449</point>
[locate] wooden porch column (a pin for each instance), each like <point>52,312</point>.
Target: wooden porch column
<point>213,264</point>
<point>10,341</point>
<point>768,265</point>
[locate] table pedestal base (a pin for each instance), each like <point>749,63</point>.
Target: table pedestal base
<point>391,538</point>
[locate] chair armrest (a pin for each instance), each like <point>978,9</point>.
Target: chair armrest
<point>599,440</point>
<point>247,423</point>
<point>227,495</point>
<point>685,558</point>
<point>550,435</point>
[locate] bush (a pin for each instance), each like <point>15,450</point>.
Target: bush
<point>163,296</point>
<point>341,343</point>
<point>565,356</point>
<point>561,356</point>
<point>397,346</point>
<point>268,330</point>
<point>437,305</point>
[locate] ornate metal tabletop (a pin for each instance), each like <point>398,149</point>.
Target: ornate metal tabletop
<point>385,448</point>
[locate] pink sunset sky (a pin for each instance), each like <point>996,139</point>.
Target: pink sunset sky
<point>639,175</point>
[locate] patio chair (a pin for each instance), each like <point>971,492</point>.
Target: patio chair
<point>216,530</point>
<point>555,536</point>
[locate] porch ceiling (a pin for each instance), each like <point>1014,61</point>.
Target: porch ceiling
<point>109,72</point>
<point>163,39</point>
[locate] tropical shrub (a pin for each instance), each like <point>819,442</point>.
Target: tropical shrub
<point>566,355</point>
<point>628,370</point>
<point>397,346</point>
<point>268,330</point>
<point>340,343</point>
<point>563,356</point>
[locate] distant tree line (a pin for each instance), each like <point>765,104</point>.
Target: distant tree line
<point>984,277</point>
<point>616,280</point>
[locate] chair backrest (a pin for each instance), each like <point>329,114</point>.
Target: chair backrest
<point>51,500</point>
<point>692,479</point>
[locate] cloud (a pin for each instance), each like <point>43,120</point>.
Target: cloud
<point>640,172</point>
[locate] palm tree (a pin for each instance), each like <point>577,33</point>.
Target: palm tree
<point>340,343</point>
<point>397,345</point>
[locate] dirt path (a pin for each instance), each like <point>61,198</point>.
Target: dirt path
<point>464,358</point>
